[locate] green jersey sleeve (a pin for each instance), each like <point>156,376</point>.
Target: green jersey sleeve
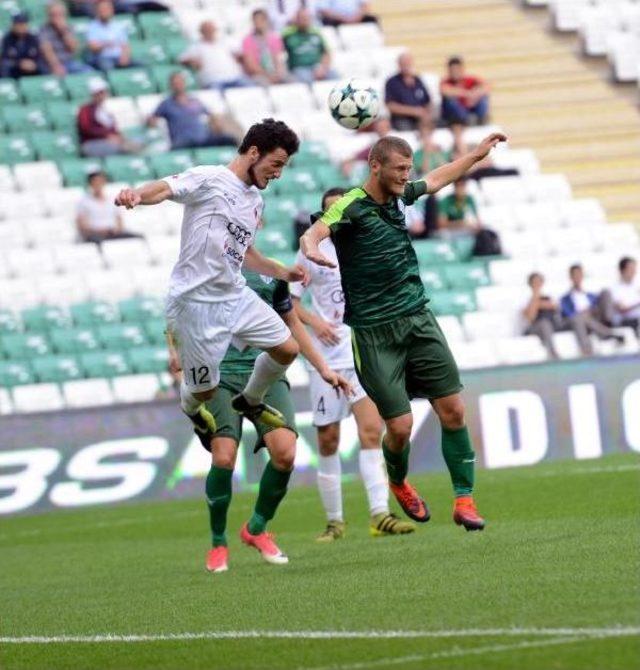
<point>337,215</point>
<point>414,190</point>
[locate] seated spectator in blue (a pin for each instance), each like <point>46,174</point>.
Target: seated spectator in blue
<point>308,58</point>
<point>20,54</point>
<point>463,96</point>
<point>59,44</point>
<point>341,12</point>
<point>407,97</point>
<point>190,122</point>
<point>107,40</point>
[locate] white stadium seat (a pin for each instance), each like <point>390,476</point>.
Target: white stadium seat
<point>37,398</point>
<point>7,182</point>
<point>39,175</point>
<point>212,100</point>
<point>534,215</point>
<point>6,404</point>
<point>164,249</point>
<point>502,190</point>
<point>111,285</point>
<point>583,210</point>
<point>30,262</point>
<point>331,39</point>
<point>135,388</point>
<point>291,97</point>
<point>151,280</point>
<point>612,348</point>
<point>502,298</point>
<point>523,244</point>
<point>510,272</point>
<point>63,289</point>
<point>354,64</point>
<point>547,187</point>
<point>361,36</point>
<point>579,240</point>
<point>253,99</point>
<point>11,237</point>
<point>452,328</point>
<point>125,111</point>
<point>62,201</point>
<point>49,232</point>
<point>23,205</point>
<point>500,322</point>
<point>19,293</point>
<point>471,355</point>
<point>74,258</point>
<point>524,160</point>
<point>87,393</point>
<point>147,104</point>
<point>523,349</point>
<point>127,252</point>
<point>566,345</point>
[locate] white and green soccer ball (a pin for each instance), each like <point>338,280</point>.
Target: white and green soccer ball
<point>354,104</point>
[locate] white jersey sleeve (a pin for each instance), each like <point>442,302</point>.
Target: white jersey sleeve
<point>188,187</point>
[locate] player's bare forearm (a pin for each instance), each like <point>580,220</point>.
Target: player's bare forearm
<point>257,262</point>
<point>303,313</point>
<point>309,244</point>
<point>152,193</point>
<point>446,174</point>
<point>302,337</point>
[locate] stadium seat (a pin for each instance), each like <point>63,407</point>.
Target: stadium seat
<point>150,52</point>
<point>45,318</point>
<point>104,364</point>
<point>77,86</point>
<point>172,162</point>
<point>19,293</point>
<point>74,340</point>
<point>491,298</point>
<point>73,258</point>
<point>214,155</point>
<point>451,328</point>
<point>147,104</point>
<point>109,284</point>
<point>23,346</point>
<point>128,169</point>
<point>159,26</point>
<point>62,114</point>
<point>16,149</point>
<point>64,289</point>
<point>582,211</point>
<point>94,313</point>
<point>291,97</point>
<point>7,183</point>
<point>152,281</point>
<point>24,118</point>
<point>534,215</point>
<point>62,202</point>
<point>37,398</point>
<point>120,336</point>
<point>164,249</point>
<point>141,308</point>
<point>9,322</point>
<point>488,325</point>
<point>37,176</point>
<point>472,355</point>
<point>54,145</point>
<point>523,349</point>
<point>9,93</point>
<point>11,237</point>
<point>162,73</point>
<point>613,348</point>
<point>361,36</point>
<point>14,373</point>
<point>135,388</point>
<point>6,404</point>
<point>466,275</point>
<point>432,252</point>
<point>131,81</point>
<point>126,113</point>
<point>252,98</point>
<point>29,262</point>
<point>156,331</point>
<point>452,303</point>
<point>547,187</point>
<point>566,345</point>
<point>433,279</point>
<point>502,190</point>
<point>19,206</point>
<point>41,89</point>
<point>87,393</point>
<point>149,359</point>
<point>123,253</point>
<point>56,368</point>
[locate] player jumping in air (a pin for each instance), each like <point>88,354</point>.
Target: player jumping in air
<point>399,350</point>
<point>333,339</point>
<point>235,371</point>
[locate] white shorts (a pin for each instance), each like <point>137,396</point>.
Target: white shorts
<point>203,331</point>
<point>328,406</point>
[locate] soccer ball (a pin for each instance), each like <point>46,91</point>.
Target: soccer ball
<point>354,104</point>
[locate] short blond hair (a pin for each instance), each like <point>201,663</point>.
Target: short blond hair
<point>385,146</point>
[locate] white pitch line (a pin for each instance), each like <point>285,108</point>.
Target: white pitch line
<point>616,631</point>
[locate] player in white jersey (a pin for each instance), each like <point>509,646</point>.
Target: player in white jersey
<point>209,304</point>
<point>332,338</point>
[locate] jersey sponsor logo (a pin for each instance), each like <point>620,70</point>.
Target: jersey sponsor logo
<point>337,296</point>
<point>266,279</point>
<point>229,197</point>
<point>231,253</point>
<point>239,233</point>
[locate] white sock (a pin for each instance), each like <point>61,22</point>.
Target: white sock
<point>189,403</point>
<point>265,372</point>
<point>330,485</point>
<point>375,480</point>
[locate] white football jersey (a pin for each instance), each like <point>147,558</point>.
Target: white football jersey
<point>219,224</point>
<point>327,301</point>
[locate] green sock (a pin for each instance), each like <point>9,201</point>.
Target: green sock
<point>397,463</point>
<point>460,459</point>
<point>218,490</point>
<point>273,487</point>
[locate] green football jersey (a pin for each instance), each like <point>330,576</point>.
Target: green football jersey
<point>275,292</point>
<point>378,264</point>
<point>305,48</point>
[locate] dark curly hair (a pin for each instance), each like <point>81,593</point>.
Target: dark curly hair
<point>269,135</point>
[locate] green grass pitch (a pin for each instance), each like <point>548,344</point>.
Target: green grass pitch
<point>553,582</point>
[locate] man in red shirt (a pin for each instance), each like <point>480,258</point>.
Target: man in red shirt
<point>463,95</point>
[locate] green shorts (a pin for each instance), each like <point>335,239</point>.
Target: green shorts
<point>229,422</point>
<point>406,358</point>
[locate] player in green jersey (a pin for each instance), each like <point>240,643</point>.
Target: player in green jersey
<point>235,369</point>
<point>399,350</point>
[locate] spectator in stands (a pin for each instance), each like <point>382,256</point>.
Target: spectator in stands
<point>59,44</point>
<point>88,7</point>
<point>309,59</point>
<point>97,130</point>
<point>542,314</point>
<point>341,12</point>
<point>213,60</point>
<point>429,155</point>
<point>282,12</point>
<point>107,40</point>
<point>407,97</point>
<point>586,312</point>
<point>20,53</point>
<point>625,296</point>
<point>463,95</point>
<point>190,122</point>
<point>263,52</point>
<point>457,212</point>
<point>97,217</point>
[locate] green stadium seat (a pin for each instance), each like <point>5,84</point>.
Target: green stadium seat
<point>54,145</point>
<point>19,346</point>
<point>105,364</point>
<point>74,340</point>
<point>130,25</point>
<point>37,11</point>
<point>433,279</point>
<point>172,162</point>
<point>46,317</point>
<point>464,246</point>
<point>279,212</point>
<point>329,175</point>
<point>16,149</point>
<point>176,46</point>
<point>310,154</point>
<point>9,322</point>
<point>431,252</point>
<point>22,118</point>
<point>77,85</point>
<point>214,155</point>
<point>128,168</point>
<point>467,275</point>
<point>309,202</point>
<point>9,94</point>
<point>131,81</point>
<point>161,74</point>
<point>80,26</point>
<point>141,308</point>
<point>62,114</point>
<point>296,182</point>
<point>149,359</point>
<point>119,336</point>
<point>150,53</point>
<point>159,25</point>
<point>155,330</point>
<point>272,243</point>
<point>56,369</point>
<point>452,303</point>
<point>41,89</point>
<point>75,170</point>
<point>94,313</point>
<point>15,373</point>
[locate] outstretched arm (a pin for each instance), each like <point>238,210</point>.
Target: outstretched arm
<point>149,194</point>
<point>311,239</point>
<point>448,173</point>
<point>257,262</point>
